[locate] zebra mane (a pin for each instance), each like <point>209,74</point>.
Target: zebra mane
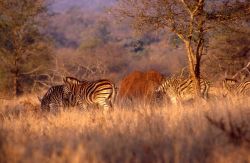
<point>84,81</point>
<point>71,80</point>
<point>230,81</point>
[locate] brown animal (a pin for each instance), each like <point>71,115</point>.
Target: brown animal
<point>139,86</point>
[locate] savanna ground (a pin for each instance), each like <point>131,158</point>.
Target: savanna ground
<point>138,134</point>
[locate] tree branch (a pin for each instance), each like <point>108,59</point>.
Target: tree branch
<point>247,67</point>
<point>32,71</point>
<point>186,7</point>
<point>198,7</point>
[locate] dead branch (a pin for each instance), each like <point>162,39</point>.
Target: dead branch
<point>32,71</point>
<point>246,68</point>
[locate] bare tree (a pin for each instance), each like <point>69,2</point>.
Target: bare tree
<point>243,73</point>
<point>23,48</point>
<point>190,20</point>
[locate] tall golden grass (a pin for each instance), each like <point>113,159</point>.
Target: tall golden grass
<point>139,134</point>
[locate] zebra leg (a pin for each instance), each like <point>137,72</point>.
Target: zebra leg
<point>105,104</point>
<point>109,103</point>
<point>82,105</point>
<point>174,101</point>
<point>54,108</point>
<point>205,94</point>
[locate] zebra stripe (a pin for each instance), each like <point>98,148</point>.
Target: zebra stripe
<point>58,96</point>
<point>179,89</point>
<point>101,92</point>
<point>234,88</point>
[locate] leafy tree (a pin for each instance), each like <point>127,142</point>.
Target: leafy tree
<point>230,52</point>
<point>23,47</point>
<point>191,20</point>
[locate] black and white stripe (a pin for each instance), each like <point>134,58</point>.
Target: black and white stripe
<point>101,92</point>
<point>232,87</point>
<point>58,96</point>
<point>179,89</point>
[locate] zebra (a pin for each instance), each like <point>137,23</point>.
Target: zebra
<point>101,92</point>
<point>58,96</point>
<point>232,87</point>
<point>179,89</point>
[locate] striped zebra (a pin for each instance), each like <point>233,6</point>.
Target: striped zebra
<point>101,92</point>
<point>232,87</point>
<point>179,89</point>
<point>58,96</point>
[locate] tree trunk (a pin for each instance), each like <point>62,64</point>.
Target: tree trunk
<point>16,85</point>
<point>15,78</point>
<point>197,75</point>
<point>194,68</point>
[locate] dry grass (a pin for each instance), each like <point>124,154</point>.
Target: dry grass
<point>141,134</point>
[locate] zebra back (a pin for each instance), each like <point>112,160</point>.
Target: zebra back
<point>179,88</point>
<point>233,87</point>
<point>72,84</point>
<point>100,92</point>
